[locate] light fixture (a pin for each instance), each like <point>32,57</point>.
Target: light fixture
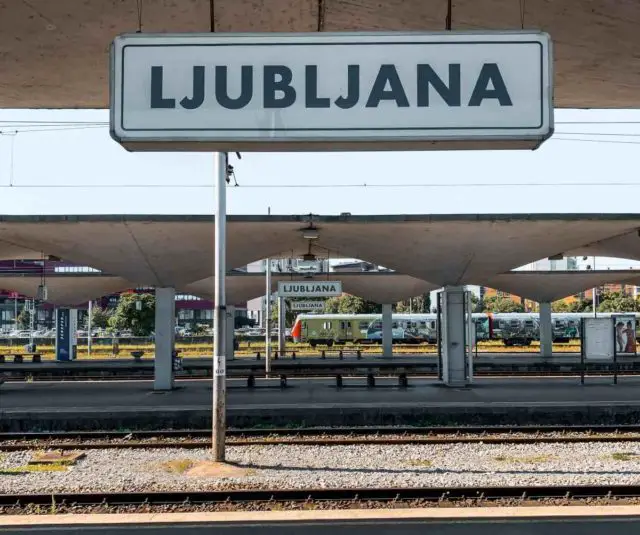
<point>310,234</point>
<point>309,256</point>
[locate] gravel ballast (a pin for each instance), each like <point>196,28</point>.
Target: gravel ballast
<point>282,467</point>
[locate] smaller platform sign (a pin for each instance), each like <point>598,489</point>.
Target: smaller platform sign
<point>316,306</point>
<point>309,289</point>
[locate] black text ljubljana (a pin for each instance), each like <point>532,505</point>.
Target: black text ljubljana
<point>280,90</point>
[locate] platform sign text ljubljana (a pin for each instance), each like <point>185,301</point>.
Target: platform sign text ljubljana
<point>331,91</point>
<point>309,289</point>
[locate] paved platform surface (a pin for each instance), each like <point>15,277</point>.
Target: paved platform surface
<point>502,526</point>
<point>135,395</point>
<point>316,402</point>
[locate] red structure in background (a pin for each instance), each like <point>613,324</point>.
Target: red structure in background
<point>190,310</point>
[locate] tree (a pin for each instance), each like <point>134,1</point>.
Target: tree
<point>24,319</point>
<point>127,316</point>
<point>560,306</point>
<point>417,305</point>
<point>99,318</point>
<point>350,304</point>
<point>477,305</point>
<point>498,304</point>
<point>616,302</point>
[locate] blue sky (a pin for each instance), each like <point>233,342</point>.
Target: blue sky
<point>590,165</point>
<point>82,170</point>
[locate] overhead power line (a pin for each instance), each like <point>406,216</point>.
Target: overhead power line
<point>337,185</point>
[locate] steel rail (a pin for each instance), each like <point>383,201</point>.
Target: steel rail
<point>355,495</point>
<point>321,437</point>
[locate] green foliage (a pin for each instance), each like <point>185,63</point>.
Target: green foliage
<point>617,302</point>
<point>99,318</point>
<point>476,304</point>
<point>24,319</point>
<point>560,306</point>
<point>350,304</point>
<point>498,305</point>
<point>127,316</point>
<point>417,305</point>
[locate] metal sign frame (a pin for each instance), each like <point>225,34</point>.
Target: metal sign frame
<point>385,126</point>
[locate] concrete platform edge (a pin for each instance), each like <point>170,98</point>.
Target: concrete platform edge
<point>463,513</point>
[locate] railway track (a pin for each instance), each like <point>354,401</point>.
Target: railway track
<point>195,439</point>
<point>353,497</point>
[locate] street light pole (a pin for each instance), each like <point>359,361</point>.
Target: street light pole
<point>267,312</point>
<point>219,312</point>
<point>593,295</point>
<point>89,327</point>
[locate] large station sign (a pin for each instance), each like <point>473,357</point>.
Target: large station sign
<point>346,91</point>
<point>309,289</point>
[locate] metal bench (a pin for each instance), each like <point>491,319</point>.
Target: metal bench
<point>18,358</point>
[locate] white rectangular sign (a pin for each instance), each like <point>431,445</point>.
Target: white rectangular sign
<point>309,289</point>
<point>331,91</point>
<point>317,306</point>
<point>598,339</point>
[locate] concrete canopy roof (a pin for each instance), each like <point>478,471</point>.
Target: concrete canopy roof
<point>438,249</point>
<point>68,290</point>
<point>549,286</point>
<point>55,53</point>
<point>381,288</point>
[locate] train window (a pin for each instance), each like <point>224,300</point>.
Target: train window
<point>433,324</point>
<point>304,324</point>
<point>394,325</point>
<point>326,325</point>
<point>363,325</point>
<point>423,324</point>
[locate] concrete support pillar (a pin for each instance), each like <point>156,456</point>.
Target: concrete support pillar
<point>546,330</point>
<point>231,327</point>
<point>387,331</point>
<point>282,315</point>
<point>165,338</point>
<point>454,350</point>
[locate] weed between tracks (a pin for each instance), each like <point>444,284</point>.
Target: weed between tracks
<point>177,466</point>
<point>30,468</point>
<point>531,459</point>
<point>625,456</point>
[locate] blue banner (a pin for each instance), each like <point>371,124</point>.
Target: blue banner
<point>63,334</point>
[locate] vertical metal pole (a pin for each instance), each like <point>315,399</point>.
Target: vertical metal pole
<point>89,313</point>
<point>582,349</point>
<point>267,313</point>
<point>593,295</point>
<point>281,326</point>
<point>219,312</point>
